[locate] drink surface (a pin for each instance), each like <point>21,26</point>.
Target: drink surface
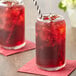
<point>50,41</point>
<point>11,24</point>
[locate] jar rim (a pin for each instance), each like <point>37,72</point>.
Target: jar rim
<point>13,3</point>
<point>50,20</point>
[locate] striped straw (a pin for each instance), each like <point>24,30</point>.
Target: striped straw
<point>38,8</point>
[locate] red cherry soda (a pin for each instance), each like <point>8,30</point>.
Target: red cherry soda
<point>50,42</point>
<point>12,25</point>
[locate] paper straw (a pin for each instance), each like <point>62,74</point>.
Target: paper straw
<point>38,8</point>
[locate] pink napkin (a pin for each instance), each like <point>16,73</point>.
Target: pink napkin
<point>29,46</point>
<point>31,67</point>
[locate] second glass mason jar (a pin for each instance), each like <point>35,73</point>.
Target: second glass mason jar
<point>50,42</point>
<point>12,24</point>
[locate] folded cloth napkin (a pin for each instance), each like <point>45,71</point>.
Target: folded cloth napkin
<point>29,46</point>
<point>31,67</point>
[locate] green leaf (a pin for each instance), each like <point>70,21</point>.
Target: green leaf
<point>61,6</point>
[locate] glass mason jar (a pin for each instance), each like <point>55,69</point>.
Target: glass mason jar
<point>50,42</point>
<point>12,24</point>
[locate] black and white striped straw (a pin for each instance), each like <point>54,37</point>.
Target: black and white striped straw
<point>38,8</point>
